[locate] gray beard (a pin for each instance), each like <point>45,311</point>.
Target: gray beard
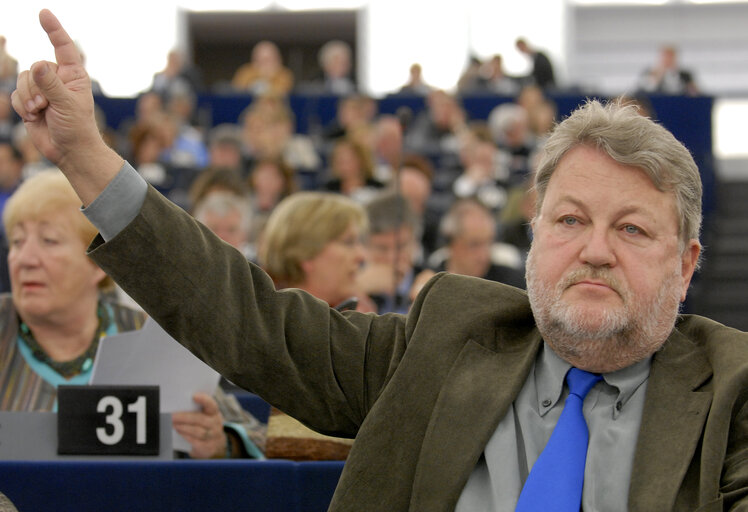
<point>609,340</point>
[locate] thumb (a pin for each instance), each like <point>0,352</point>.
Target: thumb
<point>48,82</point>
<point>206,402</point>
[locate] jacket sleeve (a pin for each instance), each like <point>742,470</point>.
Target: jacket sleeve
<point>317,365</point>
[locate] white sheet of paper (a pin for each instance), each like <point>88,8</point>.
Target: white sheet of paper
<point>149,356</point>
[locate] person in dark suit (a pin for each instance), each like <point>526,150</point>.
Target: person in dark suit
<point>452,404</point>
<point>668,77</point>
<point>542,69</point>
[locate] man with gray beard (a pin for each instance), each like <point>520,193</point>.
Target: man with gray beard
<point>453,404</point>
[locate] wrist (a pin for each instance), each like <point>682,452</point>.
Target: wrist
<point>90,168</point>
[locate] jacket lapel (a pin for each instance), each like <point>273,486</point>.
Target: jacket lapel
<point>476,394</point>
<point>675,409</point>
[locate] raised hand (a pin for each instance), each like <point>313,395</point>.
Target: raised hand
<point>55,102</point>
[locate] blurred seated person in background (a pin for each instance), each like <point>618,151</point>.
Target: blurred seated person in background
<point>228,216</point>
<point>391,248</point>
<point>530,96</point>
<point>148,107</point>
<point>182,146</point>
<point>510,130</point>
<point>388,147</point>
<point>146,146</point>
<point>264,73</point>
<point>352,171</point>
<point>182,105</point>
<point>335,59</point>
<point>269,182</point>
<point>494,79</point>
<point>667,77</point>
<point>414,183</point>
<point>469,229</point>
<point>541,120</point>
<point>354,112</point>
<point>313,241</point>
<point>51,323</point>
<point>484,174</point>
<point>435,131</point>
<point>177,77</point>
<point>225,148</point>
<point>415,85</point>
<point>216,180</point>
<point>269,133</point>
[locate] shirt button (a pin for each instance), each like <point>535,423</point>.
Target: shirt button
<point>546,403</point>
<point>619,406</point>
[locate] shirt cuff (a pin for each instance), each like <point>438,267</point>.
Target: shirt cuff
<point>118,204</point>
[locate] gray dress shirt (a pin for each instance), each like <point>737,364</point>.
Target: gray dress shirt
<point>613,408</point>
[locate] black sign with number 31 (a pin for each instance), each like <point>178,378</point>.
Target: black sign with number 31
<point>108,420</point>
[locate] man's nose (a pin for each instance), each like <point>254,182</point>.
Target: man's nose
<point>598,249</point>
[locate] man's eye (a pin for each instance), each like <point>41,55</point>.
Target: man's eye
<point>631,229</point>
<point>569,221</point>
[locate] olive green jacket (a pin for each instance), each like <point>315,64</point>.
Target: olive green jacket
<point>423,394</point>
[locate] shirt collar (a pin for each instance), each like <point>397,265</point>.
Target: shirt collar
<point>550,371</point>
<point>627,381</point>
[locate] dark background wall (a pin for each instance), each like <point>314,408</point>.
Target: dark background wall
<point>221,42</point>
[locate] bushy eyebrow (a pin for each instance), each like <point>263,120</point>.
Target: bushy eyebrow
<point>627,210</point>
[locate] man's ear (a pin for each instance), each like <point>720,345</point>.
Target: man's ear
<point>689,262</point>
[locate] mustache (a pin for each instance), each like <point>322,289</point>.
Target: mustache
<point>592,273</point>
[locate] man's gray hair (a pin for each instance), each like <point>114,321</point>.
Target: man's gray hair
<point>629,139</point>
<point>390,211</point>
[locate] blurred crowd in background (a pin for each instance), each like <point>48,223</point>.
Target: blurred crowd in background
<point>417,194</point>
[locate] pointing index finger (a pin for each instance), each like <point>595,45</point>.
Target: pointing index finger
<point>66,52</point>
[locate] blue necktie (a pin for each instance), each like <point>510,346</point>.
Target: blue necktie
<point>555,481</point>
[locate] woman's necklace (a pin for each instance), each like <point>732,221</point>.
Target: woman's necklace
<point>75,366</point>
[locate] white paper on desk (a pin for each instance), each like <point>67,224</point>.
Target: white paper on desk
<point>148,357</point>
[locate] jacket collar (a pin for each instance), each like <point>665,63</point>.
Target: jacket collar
<point>478,391</point>
<point>484,382</point>
<point>675,409</point>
